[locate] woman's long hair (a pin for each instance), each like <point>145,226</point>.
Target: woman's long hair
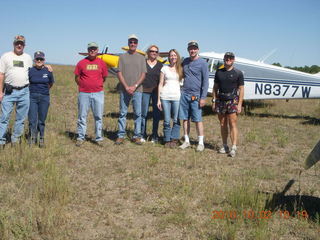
<point>178,64</point>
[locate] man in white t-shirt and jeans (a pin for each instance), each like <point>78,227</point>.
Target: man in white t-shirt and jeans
<point>14,89</point>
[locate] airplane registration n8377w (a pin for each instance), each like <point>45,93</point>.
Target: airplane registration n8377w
<point>266,81</point>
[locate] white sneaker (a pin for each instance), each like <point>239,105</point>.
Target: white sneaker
<point>142,140</point>
<point>224,150</point>
<point>232,153</point>
<point>200,148</point>
<point>184,145</point>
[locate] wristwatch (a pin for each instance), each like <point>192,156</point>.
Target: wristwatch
<point>136,85</point>
<point>213,100</point>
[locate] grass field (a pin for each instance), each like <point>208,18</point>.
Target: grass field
<point>149,192</point>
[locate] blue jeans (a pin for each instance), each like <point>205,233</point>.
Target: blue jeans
<point>171,109</point>
<point>190,109</point>
<point>39,105</point>
<point>125,99</point>
<point>156,114</point>
<point>21,99</point>
<point>95,101</point>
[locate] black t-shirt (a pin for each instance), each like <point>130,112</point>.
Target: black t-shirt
<point>228,81</point>
<point>152,76</point>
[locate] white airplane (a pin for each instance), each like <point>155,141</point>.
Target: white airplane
<point>266,81</point>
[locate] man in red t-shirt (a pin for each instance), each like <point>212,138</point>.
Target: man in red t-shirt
<point>90,74</point>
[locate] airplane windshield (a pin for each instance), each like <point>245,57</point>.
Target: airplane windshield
<point>213,64</point>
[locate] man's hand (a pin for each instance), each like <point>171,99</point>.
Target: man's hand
<point>202,102</point>
<point>130,90</point>
<point>50,69</point>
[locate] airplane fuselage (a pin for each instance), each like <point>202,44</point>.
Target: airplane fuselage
<point>265,81</point>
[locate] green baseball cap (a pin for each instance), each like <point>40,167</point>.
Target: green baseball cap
<point>93,44</point>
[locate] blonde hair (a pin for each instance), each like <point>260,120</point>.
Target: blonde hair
<point>148,50</point>
<point>178,63</point>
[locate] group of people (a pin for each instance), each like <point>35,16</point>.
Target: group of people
<point>178,89</point>
<point>25,87</point>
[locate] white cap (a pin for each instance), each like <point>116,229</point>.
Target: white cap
<point>133,36</point>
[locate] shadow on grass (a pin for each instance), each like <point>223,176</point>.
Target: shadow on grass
<point>309,120</point>
<point>130,115</point>
<point>295,204</point>
<point>73,136</point>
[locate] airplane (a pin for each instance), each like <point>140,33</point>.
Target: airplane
<point>112,60</point>
<point>266,81</point>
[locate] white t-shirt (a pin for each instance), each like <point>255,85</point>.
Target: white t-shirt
<point>15,68</point>
<point>171,85</point>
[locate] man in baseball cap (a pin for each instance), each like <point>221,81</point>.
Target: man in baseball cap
<point>14,78</point>
<point>132,72</point>
<point>228,92</point>
<point>193,94</point>
<point>90,75</point>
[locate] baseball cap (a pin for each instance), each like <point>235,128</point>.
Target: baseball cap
<point>38,54</point>
<point>229,55</point>
<point>193,43</point>
<point>19,38</point>
<point>93,45</point>
<point>132,36</point>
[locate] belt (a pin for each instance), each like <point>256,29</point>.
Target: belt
<point>19,88</point>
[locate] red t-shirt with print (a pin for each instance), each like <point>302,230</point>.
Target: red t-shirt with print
<point>91,74</point>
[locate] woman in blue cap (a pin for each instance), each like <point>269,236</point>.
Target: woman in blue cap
<point>41,80</point>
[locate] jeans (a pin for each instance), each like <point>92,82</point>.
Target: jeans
<point>190,109</point>
<point>95,101</point>
<point>156,114</point>
<point>39,105</point>
<point>125,99</point>
<point>171,108</point>
<point>21,99</point>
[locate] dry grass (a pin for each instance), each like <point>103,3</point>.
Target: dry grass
<point>148,192</point>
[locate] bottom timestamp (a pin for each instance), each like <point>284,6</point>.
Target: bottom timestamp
<point>263,214</point>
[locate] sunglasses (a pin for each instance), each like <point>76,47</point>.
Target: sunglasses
<point>153,51</point>
<point>92,49</point>
<point>19,43</point>
<point>40,59</point>
<point>133,42</point>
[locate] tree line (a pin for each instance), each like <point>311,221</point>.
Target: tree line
<point>313,69</point>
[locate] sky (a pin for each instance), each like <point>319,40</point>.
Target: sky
<point>249,28</point>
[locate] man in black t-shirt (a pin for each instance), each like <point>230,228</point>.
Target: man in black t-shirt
<point>228,92</point>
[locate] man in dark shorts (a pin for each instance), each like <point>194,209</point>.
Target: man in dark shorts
<point>228,92</point>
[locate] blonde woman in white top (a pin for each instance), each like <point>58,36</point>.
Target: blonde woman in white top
<point>169,98</point>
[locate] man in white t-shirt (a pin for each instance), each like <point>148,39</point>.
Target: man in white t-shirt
<point>14,89</point>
